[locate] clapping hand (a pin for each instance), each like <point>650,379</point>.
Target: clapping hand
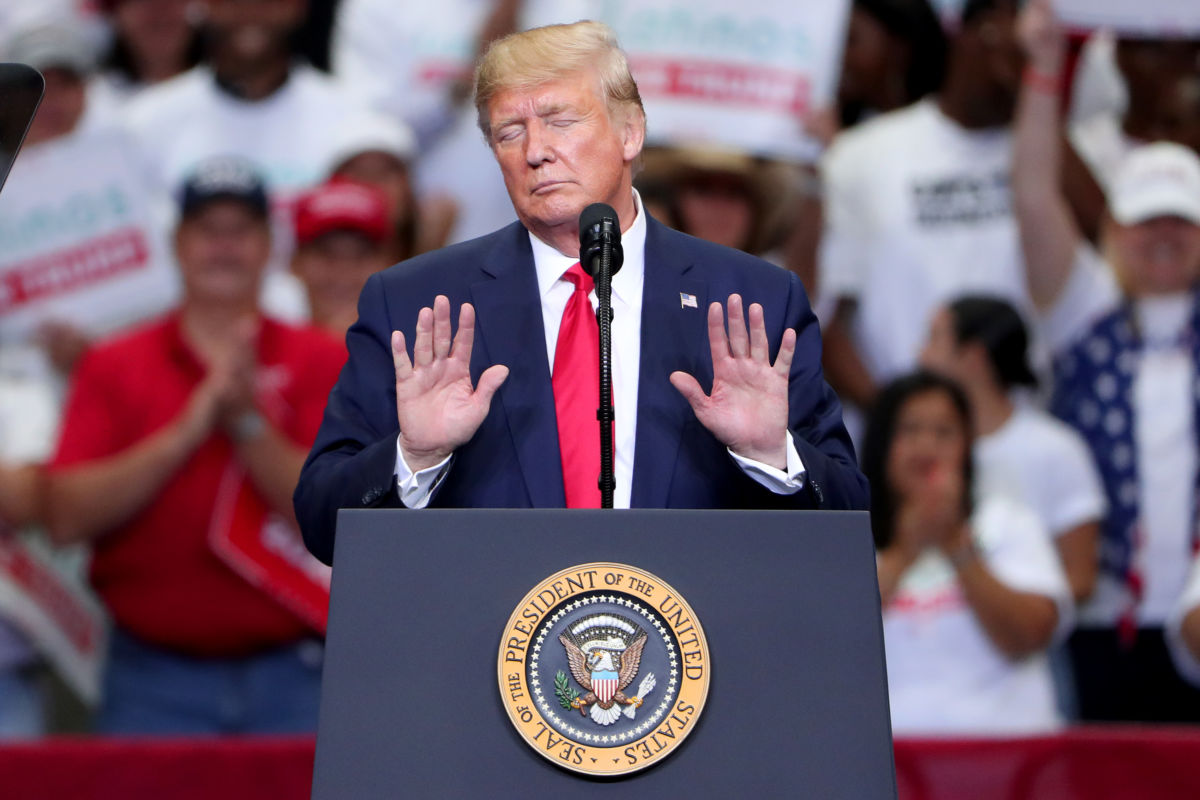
<point>747,410</point>
<point>932,515</point>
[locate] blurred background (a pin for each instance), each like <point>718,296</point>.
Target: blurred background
<point>994,206</point>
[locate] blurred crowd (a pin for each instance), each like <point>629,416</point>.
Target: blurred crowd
<point>1001,239</point>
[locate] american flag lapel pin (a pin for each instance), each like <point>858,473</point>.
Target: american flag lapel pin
<point>687,300</point>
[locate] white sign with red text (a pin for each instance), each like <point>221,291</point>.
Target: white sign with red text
<point>62,619</point>
<point>744,76</point>
<point>82,238</point>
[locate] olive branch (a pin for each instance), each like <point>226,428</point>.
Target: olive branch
<point>563,690</point>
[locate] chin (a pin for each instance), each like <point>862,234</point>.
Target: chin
<point>562,211</point>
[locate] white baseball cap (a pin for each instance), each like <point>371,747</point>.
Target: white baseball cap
<point>375,132</point>
<point>1156,180</point>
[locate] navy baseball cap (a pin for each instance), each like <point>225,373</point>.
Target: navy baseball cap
<point>225,178</point>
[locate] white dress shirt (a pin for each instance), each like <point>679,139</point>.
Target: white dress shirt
<point>415,489</point>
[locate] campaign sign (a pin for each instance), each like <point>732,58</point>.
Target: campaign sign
<point>82,238</point>
<point>742,76</point>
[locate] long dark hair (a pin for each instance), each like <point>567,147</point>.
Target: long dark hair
<point>881,431</point>
<point>916,23</point>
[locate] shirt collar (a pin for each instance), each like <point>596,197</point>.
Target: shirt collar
<point>551,264</point>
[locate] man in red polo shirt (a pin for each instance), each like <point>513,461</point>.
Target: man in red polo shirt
<point>180,448</point>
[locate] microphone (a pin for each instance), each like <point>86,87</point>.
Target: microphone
<point>599,230</point>
<point>600,255</point>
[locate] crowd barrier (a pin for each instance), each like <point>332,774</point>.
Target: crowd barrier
<point>1142,763</point>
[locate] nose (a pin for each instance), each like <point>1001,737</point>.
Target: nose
<point>537,145</point>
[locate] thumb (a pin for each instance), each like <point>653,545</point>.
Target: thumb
<point>689,387</point>
<point>489,382</point>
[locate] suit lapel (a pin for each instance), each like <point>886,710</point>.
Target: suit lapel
<point>509,325</point>
<point>674,337</point>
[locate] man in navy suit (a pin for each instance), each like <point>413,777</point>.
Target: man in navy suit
<point>705,417</point>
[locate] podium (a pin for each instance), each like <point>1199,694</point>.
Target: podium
<point>797,693</point>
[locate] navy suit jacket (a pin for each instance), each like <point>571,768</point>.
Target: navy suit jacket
<point>513,459</point>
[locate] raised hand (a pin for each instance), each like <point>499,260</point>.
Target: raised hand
<point>747,409</point>
<point>932,516</point>
<point>437,407</point>
<point>1041,37</point>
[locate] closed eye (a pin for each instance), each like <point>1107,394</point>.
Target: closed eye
<point>508,133</point>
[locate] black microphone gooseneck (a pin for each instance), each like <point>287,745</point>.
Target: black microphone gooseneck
<point>600,255</point>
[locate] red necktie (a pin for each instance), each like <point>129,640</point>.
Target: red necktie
<point>576,381</point>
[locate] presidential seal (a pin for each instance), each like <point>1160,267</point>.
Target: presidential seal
<point>603,669</point>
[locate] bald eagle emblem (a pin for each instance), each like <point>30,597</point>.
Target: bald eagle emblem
<point>604,652</point>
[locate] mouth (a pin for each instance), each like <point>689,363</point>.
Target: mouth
<point>542,187</point>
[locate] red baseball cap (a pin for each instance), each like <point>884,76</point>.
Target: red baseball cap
<point>342,205</point>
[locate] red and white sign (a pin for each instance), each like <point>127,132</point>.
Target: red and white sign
<point>83,238</point>
<point>268,551</point>
<point>745,77</point>
<point>62,620</point>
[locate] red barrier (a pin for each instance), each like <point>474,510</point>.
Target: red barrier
<point>159,769</point>
<point>1092,763</point>
<point>1095,763</point>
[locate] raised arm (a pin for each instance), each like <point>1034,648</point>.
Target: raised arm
<point>1049,235</point>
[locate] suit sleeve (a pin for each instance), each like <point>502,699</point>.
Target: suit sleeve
<point>352,463</point>
<point>815,418</point>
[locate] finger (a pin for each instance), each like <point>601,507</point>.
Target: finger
<point>787,350</point>
<point>489,382</point>
<point>464,340</point>
<point>689,387</point>
<point>423,347</point>
<point>758,335</point>
<point>739,340</point>
<point>441,326</point>
<point>718,343</point>
<point>400,357</point>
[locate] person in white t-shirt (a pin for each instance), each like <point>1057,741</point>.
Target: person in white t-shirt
<point>972,591</point>
<point>82,241</point>
<point>152,42</point>
<point>1127,341</point>
<point>1020,451</point>
<point>918,210</point>
<point>253,100</point>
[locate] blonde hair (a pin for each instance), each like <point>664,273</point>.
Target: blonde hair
<point>528,59</point>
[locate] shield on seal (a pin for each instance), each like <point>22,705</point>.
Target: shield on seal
<point>604,684</point>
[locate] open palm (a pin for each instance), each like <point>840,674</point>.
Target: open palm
<point>436,405</point>
<point>747,409</point>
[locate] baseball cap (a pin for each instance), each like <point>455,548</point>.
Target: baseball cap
<point>341,205</point>
<point>375,132</point>
<point>62,43</point>
<point>1156,180</point>
<point>224,178</point>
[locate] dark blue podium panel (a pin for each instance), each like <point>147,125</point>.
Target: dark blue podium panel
<point>797,703</point>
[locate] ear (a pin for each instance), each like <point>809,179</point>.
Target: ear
<point>634,132</point>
